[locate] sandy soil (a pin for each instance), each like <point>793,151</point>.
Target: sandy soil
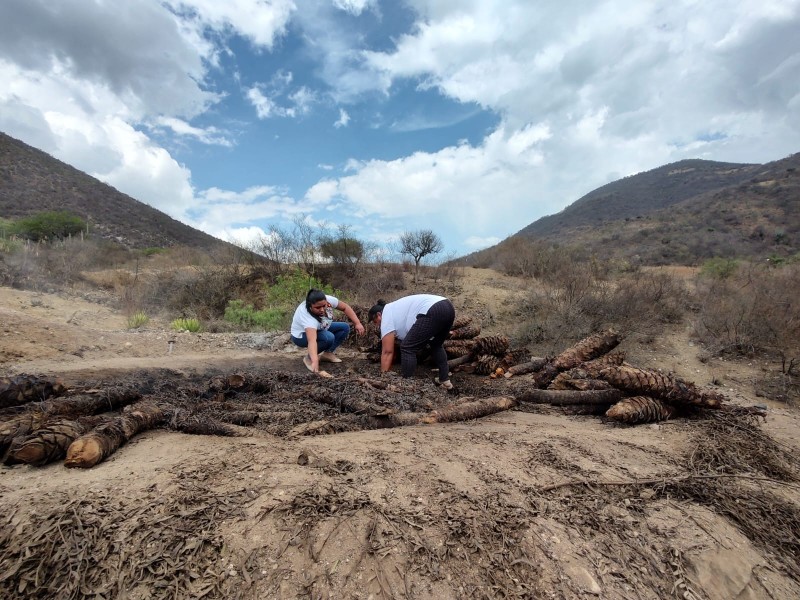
<point>527,503</point>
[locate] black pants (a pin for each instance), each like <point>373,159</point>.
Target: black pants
<point>431,328</point>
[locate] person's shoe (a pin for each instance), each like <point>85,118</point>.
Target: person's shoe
<point>329,357</point>
<point>307,363</point>
<point>448,385</point>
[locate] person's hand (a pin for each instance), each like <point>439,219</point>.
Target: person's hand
<point>360,329</point>
<point>315,364</point>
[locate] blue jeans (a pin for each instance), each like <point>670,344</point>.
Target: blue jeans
<point>328,340</point>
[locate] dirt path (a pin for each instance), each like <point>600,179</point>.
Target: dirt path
<point>438,511</point>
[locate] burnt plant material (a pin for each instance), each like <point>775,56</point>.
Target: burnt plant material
<point>467,332</point>
<point>34,415</point>
<point>187,422</point>
<point>769,520</point>
<point>730,442</point>
<point>669,388</point>
<point>493,344</point>
<point>595,410</point>
<point>347,403</point>
<point>102,441</point>
<point>640,409</point>
<point>531,366</point>
<point>587,349</point>
<point>458,348</point>
<point>21,389</point>
<point>50,442</point>
<point>18,427</point>
<point>470,410</point>
<point>238,417</point>
<point>544,376</point>
<point>234,383</point>
<point>568,397</point>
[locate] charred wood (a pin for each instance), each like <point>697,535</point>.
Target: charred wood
<point>102,441</point>
<point>567,397</point>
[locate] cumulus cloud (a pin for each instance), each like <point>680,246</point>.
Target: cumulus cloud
<point>261,22</point>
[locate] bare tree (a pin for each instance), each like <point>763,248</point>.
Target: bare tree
<point>419,244</point>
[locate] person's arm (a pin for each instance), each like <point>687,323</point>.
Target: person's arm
<point>351,314</point>
<point>387,352</point>
<point>311,336</point>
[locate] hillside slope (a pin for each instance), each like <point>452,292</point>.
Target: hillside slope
<point>32,181</point>
<point>681,213</point>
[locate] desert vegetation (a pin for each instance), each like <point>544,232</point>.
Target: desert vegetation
<point>735,308</point>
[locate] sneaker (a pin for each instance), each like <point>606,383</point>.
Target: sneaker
<point>307,363</point>
<point>329,357</point>
<point>448,385</point>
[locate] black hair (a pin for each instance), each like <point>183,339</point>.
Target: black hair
<point>312,297</point>
<point>377,309</point>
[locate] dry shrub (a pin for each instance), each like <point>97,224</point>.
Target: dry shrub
<point>42,265</point>
<point>752,312</point>
<point>582,297</point>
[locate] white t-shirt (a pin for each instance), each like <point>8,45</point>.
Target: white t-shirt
<point>303,319</point>
<point>399,316</point>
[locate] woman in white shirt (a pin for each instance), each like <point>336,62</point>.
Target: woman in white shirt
<point>313,327</point>
<point>415,320</point>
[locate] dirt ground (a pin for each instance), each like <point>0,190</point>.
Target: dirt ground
<point>526,503</point>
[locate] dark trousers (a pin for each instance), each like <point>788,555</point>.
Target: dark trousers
<point>430,329</point>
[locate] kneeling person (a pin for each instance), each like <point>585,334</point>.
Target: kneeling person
<point>313,327</point>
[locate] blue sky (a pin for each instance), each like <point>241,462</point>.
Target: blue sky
<point>471,118</point>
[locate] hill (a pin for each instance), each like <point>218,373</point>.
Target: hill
<point>32,181</point>
<point>680,213</point>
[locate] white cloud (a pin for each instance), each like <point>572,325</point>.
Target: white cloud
<point>354,7</point>
<point>261,22</point>
<point>343,119</point>
<point>475,189</point>
<point>207,135</point>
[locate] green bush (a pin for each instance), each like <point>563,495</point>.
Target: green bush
<point>270,319</point>
<point>282,299</point>
<point>290,289</point>
<point>184,324</point>
<point>53,225</point>
<point>137,319</point>
<point>719,268</point>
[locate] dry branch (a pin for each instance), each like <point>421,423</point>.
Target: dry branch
<point>567,397</point>
<point>100,443</point>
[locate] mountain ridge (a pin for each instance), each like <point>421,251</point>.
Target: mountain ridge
<point>32,181</point>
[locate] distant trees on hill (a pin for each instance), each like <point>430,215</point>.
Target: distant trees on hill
<point>50,225</point>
